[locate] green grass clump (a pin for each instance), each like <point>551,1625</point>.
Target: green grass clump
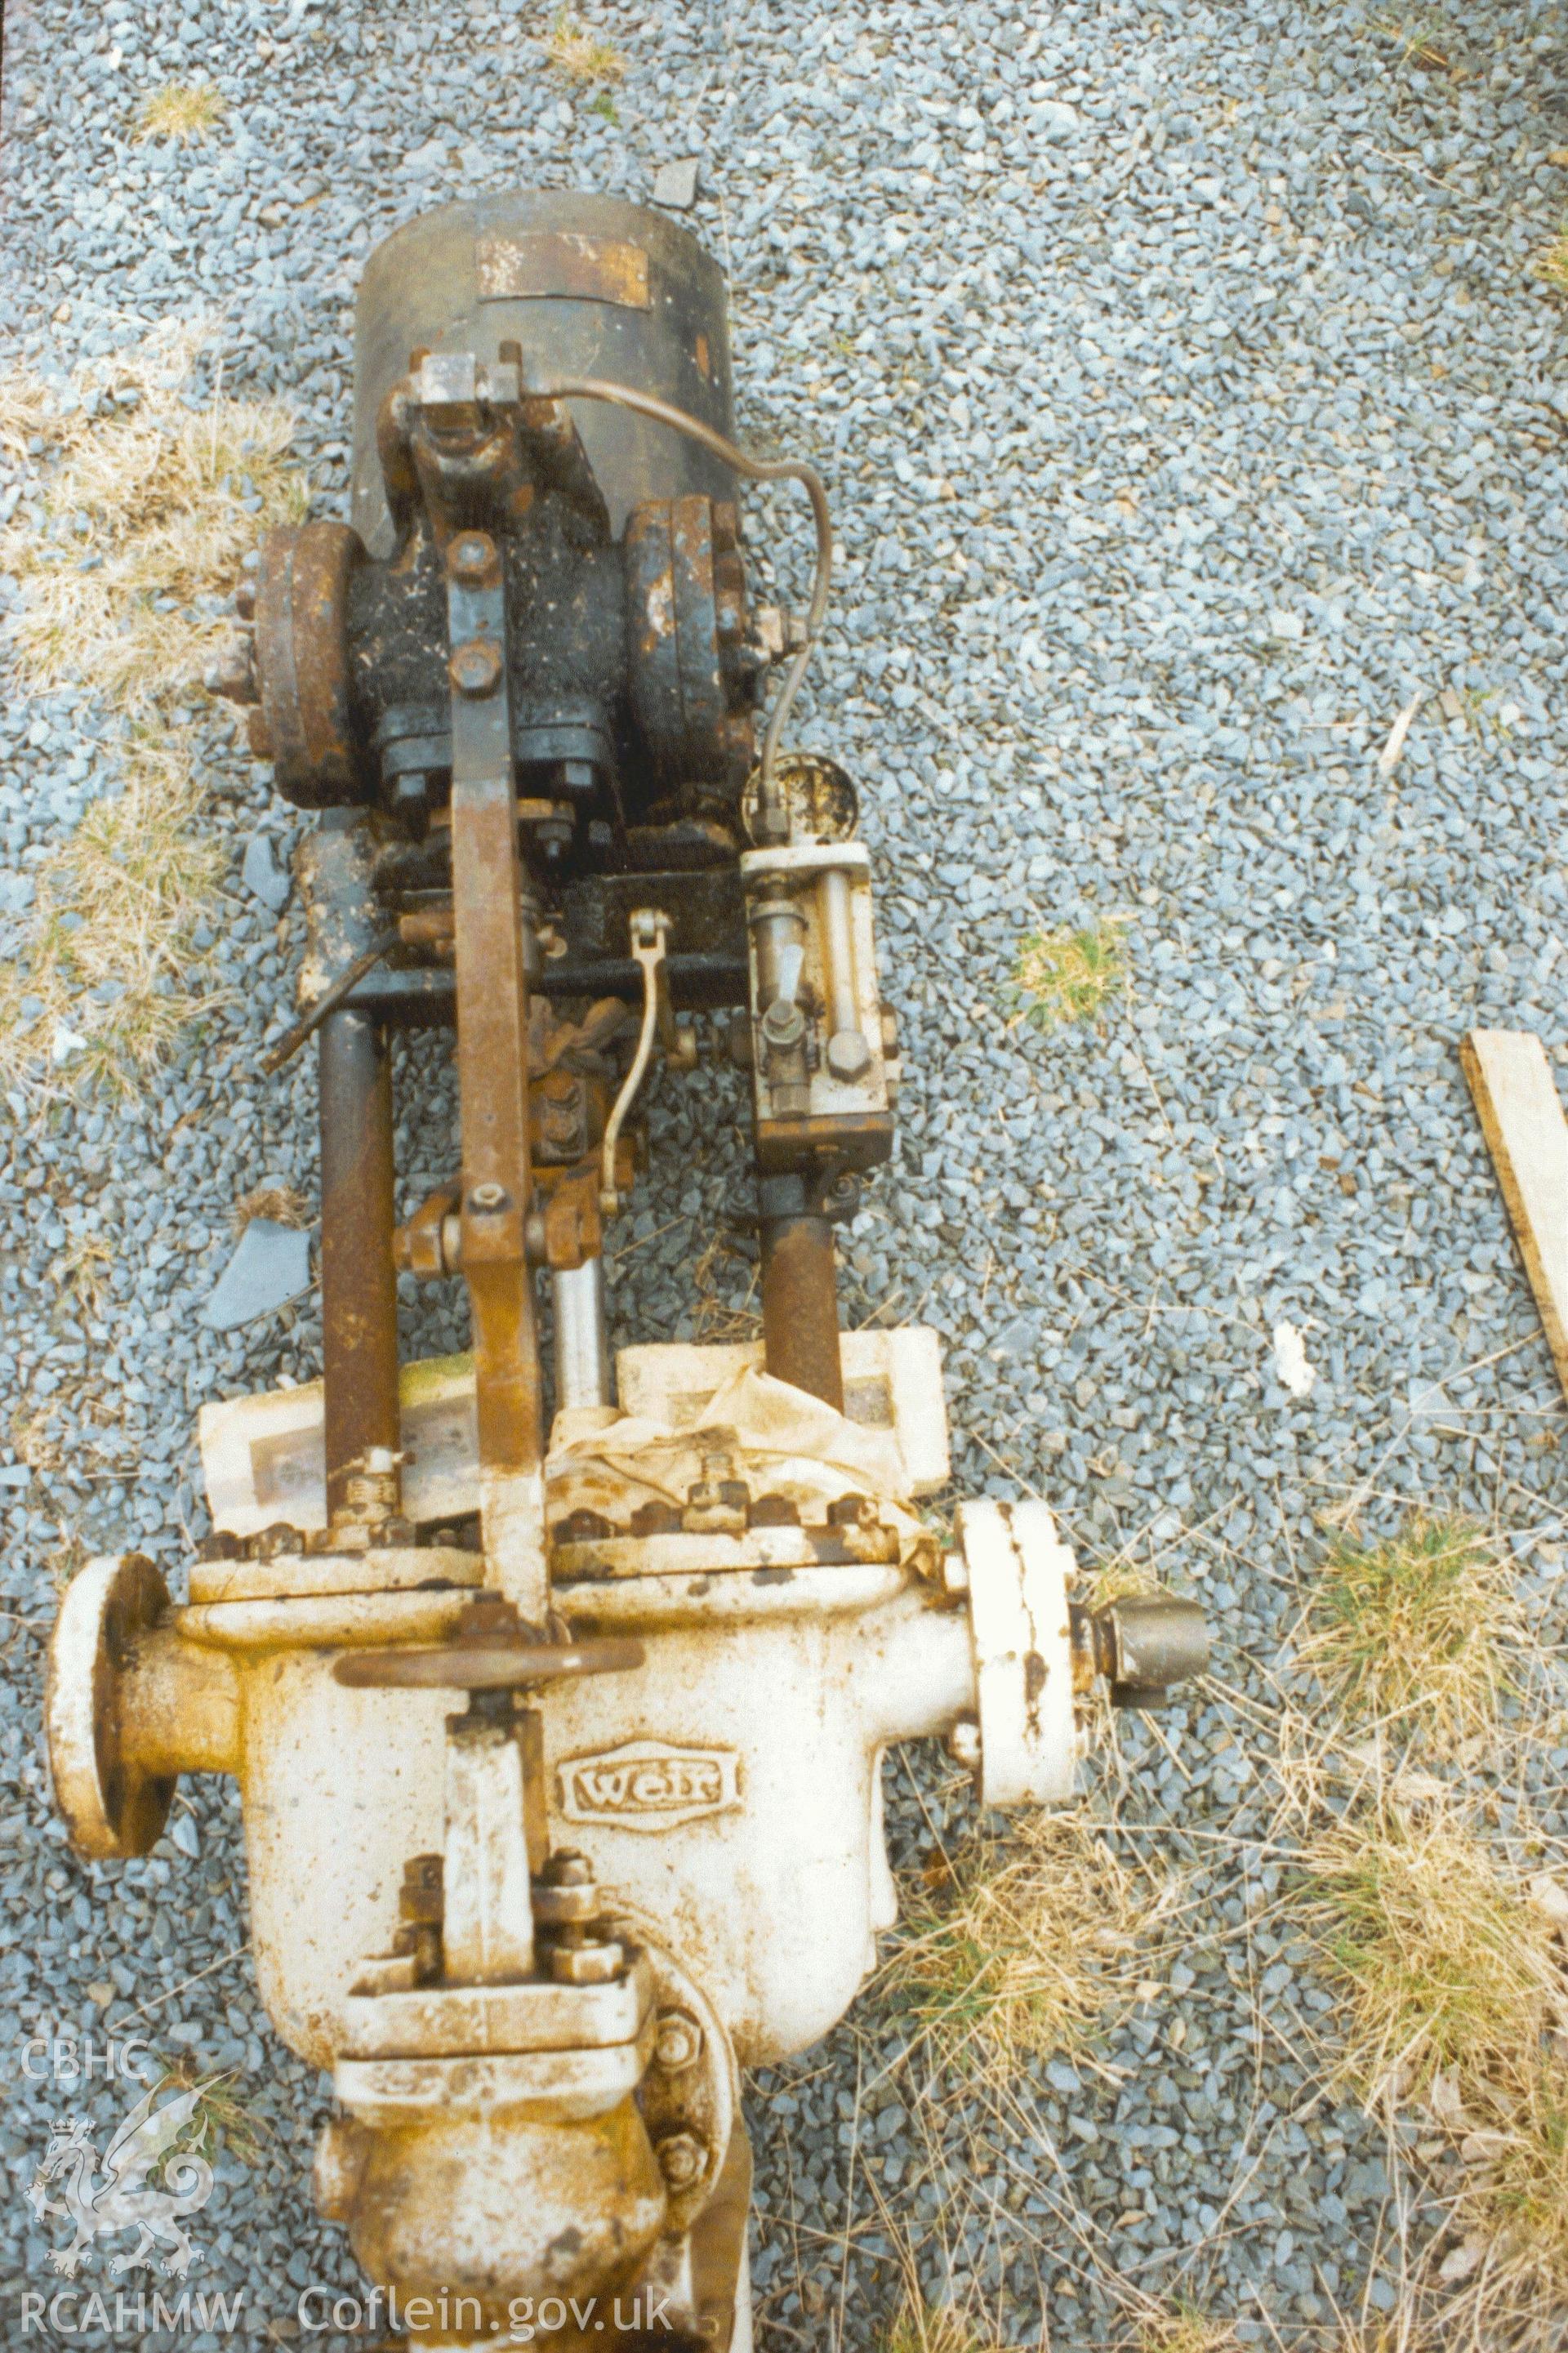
<point>1406,1632</point>
<point>1021,1953</point>
<point>1446,1965</point>
<point>1066,974</point>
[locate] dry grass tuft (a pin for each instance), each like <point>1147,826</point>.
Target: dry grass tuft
<point>37,1439</point>
<point>148,505</point>
<point>581,54</point>
<point>221,2110</point>
<point>1407,1632</point>
<point>184,111</point>
<point>1449,1970</point>
<point>717,1318</point>
<point>1184,2328</point>
<point>82,1268</point>
<point>146,520</point>
<point>284,1204</point>
<point>1426,40</point>
<point>1552,264</point>
<point>1034,1939</point>
<point>1450,1960</point>
<point>963,2319</point>
<point>1068,975</point>
<point>1117,1580</point>
<point>1513,2209</point>
<point>922,2327</point>
<point>108,977</point>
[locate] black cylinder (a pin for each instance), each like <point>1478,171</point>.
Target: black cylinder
<point>585,286</point>
<point>359,1280</point>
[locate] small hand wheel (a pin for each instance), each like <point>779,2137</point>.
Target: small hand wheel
<point>492,1649</point>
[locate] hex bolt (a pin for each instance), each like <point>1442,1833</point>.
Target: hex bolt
<point>567,1868</point>
<point>470,557</point>
<point>489,1195</point>
<point>682,2160</point>
<point>678,2041</point>
<point>475,668</point>
<point>848,1056</point>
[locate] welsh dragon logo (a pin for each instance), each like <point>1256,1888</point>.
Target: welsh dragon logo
<point>124,2198</point>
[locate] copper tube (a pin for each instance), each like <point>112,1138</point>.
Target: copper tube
<point>775,819</point>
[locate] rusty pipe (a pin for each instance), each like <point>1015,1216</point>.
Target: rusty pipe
<point>799,1298</point>
<point>359,1280</point>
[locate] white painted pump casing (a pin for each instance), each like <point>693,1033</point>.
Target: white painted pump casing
<point>729,1790</point>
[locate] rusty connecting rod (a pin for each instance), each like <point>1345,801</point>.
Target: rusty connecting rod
<point>800,1292</point>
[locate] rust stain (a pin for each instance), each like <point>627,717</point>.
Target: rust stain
<point>1035,1676</point>
<point>553,263</point>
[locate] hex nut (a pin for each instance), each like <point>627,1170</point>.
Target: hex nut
<point>682,2160</point>
<point>678,2041</point>
<point>586,1964</point>
<point>783,1025</point>
<point>567,1868</point>
<point>471,557</point>
<point>475,668</point>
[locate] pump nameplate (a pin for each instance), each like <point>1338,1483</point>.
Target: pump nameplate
<point>648,1785</point>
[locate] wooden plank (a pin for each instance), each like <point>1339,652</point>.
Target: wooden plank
<point>1527,1137</point>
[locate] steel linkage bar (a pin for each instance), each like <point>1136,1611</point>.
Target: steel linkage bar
<point>493,948</point>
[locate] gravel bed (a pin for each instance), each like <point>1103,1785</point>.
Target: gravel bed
<point>1188,407</point>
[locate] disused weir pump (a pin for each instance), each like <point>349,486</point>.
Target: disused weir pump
<point>561,1762</point>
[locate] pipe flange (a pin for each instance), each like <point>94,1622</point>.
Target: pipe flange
<point>1017,1575</point>
<point>819,794</point>
<point>689,2096</point>
<point>113,1808</point>
<point>686,610</point>
<point>302,662</point>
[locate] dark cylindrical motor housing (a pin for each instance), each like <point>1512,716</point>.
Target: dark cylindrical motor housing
<point>586,286</point>
<point>632,672</point>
